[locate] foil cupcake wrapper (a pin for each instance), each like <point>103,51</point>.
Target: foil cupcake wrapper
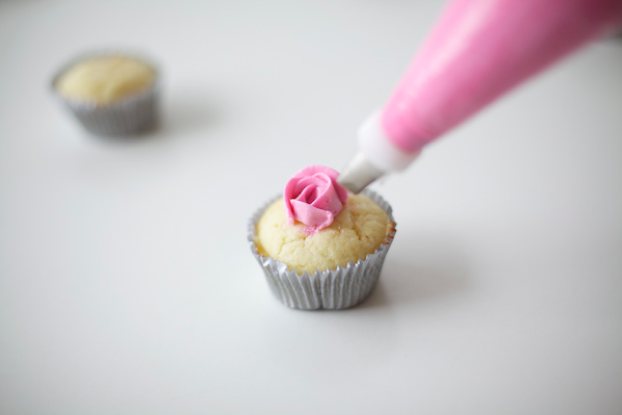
<point>331,289</point>
<point>131,115</point>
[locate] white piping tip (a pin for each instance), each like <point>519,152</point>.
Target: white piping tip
<point>358,174</point>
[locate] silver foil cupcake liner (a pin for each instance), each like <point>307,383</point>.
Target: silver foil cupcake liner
<point>134,114</point>
<point>331,289</point>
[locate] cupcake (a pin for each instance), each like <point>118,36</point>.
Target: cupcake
<point>111,94</point>
<point>319,246</point>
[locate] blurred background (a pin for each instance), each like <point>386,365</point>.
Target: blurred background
<point>126,282</point>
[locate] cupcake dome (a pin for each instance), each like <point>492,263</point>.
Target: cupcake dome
<point>105,79</point>
<point>357,231</point>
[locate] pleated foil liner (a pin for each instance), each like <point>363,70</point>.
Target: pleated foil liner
<point>131,115</point>
<point>332,289</point>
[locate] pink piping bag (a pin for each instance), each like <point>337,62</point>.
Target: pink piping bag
<point>478,50</point>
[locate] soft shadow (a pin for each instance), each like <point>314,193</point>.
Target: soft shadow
<point>377,298</point>
<point>617,38</point>
<point>425,268</point>
<point>180,114</point>
<point>189,111</point>
<point>146,133</point>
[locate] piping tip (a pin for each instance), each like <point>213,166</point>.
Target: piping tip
<point>358,174</point>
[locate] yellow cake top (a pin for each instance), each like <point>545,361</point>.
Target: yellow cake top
<point>358,230</point>
<point>105,79</point>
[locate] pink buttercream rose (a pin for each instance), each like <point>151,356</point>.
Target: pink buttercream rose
<point>313,196</point>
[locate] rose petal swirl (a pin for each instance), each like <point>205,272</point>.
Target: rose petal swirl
<point>313,196</point>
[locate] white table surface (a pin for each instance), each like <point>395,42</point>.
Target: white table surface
<point>126,283</point>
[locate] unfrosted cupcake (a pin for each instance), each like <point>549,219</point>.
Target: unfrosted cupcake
<point>105,79</point>
<point>111,94</point>
<point>319,246</point>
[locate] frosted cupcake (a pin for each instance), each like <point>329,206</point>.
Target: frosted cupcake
<point>111,94</point>
<point>319,246</point>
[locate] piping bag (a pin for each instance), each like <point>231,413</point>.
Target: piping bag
<point>478,50</point>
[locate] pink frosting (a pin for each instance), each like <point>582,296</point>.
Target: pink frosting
<point>313,196</point>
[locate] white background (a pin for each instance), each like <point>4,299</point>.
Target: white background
<point>126,283</point>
